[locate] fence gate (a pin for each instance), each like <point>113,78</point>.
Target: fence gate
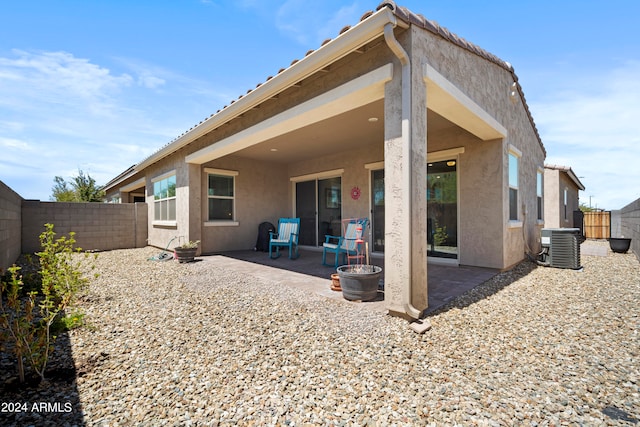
<point>597,225</point>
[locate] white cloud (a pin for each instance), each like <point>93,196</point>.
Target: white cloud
<point>11,143</point>
<point>60,113</point>
<point>150,81</point>
<point>10,126</point>
<point>62,75</point>
<point>45,84</point>
<point>593,125</point>
<point>310,23</point>
<point>346,15</point>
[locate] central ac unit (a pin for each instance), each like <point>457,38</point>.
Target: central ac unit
<point>561,247</point>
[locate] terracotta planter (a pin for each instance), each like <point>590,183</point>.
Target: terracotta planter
<point>335,282</point>
<point>619,245</point>
<point>185,254</point>
<point>359,282</point>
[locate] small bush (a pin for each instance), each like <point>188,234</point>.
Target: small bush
<point>30,319</point>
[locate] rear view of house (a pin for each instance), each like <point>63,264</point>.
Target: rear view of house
<point>396,120</point>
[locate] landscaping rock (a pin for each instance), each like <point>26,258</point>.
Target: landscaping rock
<point>195,344</point>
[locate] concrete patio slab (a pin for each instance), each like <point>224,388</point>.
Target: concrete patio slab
<point>308,273</point>
<point>594,248</point>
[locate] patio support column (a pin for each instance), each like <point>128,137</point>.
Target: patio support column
<point>194,230</point>
<point>419,286</point>
<point>405,196</point>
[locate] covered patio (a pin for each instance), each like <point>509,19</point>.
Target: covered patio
<point>395,120</point>
<point>444,282</point>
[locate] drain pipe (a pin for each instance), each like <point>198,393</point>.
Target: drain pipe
<point>402,55</point>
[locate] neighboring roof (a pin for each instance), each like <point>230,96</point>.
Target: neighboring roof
<point>569,172</point>
<point>390,11</point>
<point>121,177</point>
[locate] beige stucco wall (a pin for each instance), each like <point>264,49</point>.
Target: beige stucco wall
<point>261,194</point>
<point>553,198</point>
<point>481,233</point>
<point>355,175</point>
<point>264,192</point>
<point>555,182</point>
<point>487,238</point>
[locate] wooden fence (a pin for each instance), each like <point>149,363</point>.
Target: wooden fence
<point>597,225</point>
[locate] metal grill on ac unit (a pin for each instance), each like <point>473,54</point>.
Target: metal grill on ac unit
<point>561,247</point>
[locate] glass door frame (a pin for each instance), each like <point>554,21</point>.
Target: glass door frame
<point>372,167</point>
<point>335,173</point>
<point>439,156</point>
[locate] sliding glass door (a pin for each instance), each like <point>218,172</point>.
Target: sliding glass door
<point>442,209</point>
<point>377,209</point>
<point>319,207</point>
<point>306,211</point>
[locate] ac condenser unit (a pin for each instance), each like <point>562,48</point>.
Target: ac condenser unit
<point>561,247</point>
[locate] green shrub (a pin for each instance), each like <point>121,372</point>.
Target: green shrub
<point>440,236</point>
<point>31,327</point>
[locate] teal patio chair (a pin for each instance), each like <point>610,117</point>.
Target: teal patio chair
<point>344,245</point>
<point>287,236</point>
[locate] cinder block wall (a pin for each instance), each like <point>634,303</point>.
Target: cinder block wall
<point>98,226</point>
<point>10,226</point>
<point>630,225</point>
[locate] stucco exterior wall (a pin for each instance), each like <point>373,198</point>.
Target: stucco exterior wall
<point>488,85</point>
<point>261,194</point>
<point>355,175</point>
<point>10,226</point>
<point>559,181</point>
<point>189,196</point>
<point>555,182</point>
<point>553,198</point>
<point>573,199</point>
<point>523,238</point>
<point>481,226</point>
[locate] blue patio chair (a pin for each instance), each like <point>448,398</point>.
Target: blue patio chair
<point>344,245</point>
<point>287,236</point>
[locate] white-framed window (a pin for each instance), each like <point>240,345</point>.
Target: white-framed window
<point>566,198</point>
<point>221,202</point>
<point>540,193</point>
<point>514,160</point>
<point>164,197</point>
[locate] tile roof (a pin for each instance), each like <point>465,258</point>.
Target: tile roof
<point>410,17</point>
<point>432,26</point>
<point>568,171</point>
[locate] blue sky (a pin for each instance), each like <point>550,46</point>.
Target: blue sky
<point>99,85</point>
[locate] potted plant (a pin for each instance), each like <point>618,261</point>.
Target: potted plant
<point>335,282</point>
<point>359,282</point>
<point>187,251</point>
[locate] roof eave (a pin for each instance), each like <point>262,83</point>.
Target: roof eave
<point>362,33</point>
<point>575,179</point>
<point>127,173</point>
<point>570,173</point>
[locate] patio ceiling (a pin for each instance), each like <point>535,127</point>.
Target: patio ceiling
<point>348,131</point>
<point>338,120</point>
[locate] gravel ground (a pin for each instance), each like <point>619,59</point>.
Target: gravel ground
<point>194,344</point>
